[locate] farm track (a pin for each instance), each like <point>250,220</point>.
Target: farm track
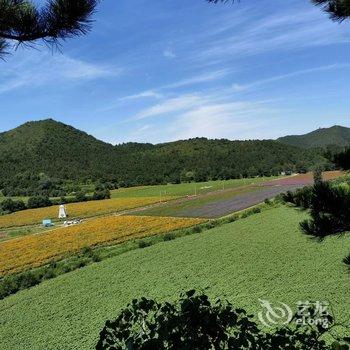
<point>237,203</point>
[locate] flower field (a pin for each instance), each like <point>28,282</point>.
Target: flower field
<point>35,250</point>
<point>84,209</point>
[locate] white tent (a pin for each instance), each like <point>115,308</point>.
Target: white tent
<point>62,213</point>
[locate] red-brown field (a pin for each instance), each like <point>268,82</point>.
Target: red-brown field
<point>304,179</point>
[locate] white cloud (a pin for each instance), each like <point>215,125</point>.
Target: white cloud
<point>33,68</point>
<point>258,83</point>
<point>278,32</point>
<point>169,106</point>
<point>201,78</point>
<point>143,94</point>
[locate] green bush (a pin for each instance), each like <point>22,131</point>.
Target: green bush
<point>197,324</point>
<point>11,206</point>
<point>38,202</point>
<point>144,244</point>
<point>197,229</point>
<point>169,237</point>
<point>101,194</point>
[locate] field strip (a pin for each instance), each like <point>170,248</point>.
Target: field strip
<point>32,217</point>
<point>35,250</point>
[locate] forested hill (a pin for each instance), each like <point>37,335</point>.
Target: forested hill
<point>334,136</point>
<point>54,150</point>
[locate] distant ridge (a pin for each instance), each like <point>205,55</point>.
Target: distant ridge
<point>50,149</point>
<point>323,137</point>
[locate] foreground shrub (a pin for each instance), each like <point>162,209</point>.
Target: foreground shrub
<point>301,197</point>
<point>330,210</point>
<point>197,324</point>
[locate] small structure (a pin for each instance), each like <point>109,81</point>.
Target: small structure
<point>62,213</point>
<point>47,223</point>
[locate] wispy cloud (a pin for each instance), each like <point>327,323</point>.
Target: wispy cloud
<point>141,95</point>
<point>200,78</point>
<point>262,82</point>
<point>169,106</point>
<point>278,32</point>
<point>38,69</point>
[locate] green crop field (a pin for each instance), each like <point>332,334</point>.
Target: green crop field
<point>186,189</point>
<point>262,256</point>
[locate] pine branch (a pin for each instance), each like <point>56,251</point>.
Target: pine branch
<point>21,21</point>
<point>339,10</point>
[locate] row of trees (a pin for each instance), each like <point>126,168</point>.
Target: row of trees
<point>10,205</point>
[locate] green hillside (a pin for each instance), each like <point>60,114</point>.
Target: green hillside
<point>335,136</point>
<point>39,151</point>
<point>69,311</point>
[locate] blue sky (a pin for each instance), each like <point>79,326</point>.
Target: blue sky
<point>162,70</point>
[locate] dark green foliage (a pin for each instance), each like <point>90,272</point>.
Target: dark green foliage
<point>23,22</point>
<point>197,324</point>
<point>339,10</point>
<point>346,260</point>
<point>144,244</point>
<point>38,202</point>
<point>101,194</point>
<point>301,197</point>
<point>27,184</point>
<point>342,159</point>
<point>9,205</point>
<point>329,210</point>
<point>169,237</point>
<point>80,197</point>
<point>63,153</point>
<point>197,229</point>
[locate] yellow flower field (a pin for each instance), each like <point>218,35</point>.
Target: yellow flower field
<point>35,250</point>
<point>84,209</point>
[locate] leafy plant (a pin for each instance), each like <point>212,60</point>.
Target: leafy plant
<point>197,324</point>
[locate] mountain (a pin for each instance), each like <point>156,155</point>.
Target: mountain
<point>39,153</point>
<point>53,148</point>
<point>335,136</point>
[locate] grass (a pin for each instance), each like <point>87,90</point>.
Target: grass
<point>257,257</point>
<point>185,189</point>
